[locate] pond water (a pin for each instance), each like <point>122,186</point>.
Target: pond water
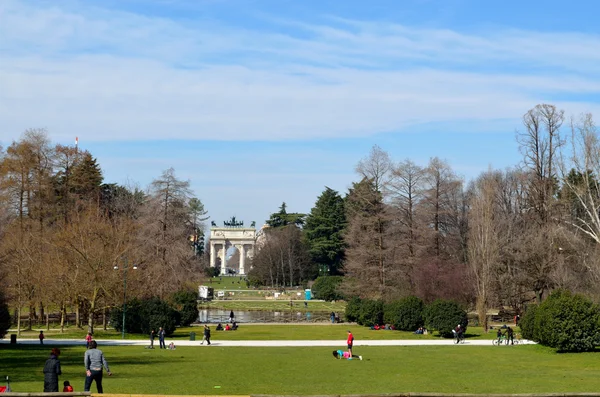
<point>261,316</point>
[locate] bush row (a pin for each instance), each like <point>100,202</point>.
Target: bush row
<point>144,315</point>
<point>565,321</point>
<point>408,314</point>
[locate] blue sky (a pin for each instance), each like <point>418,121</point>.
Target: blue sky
<point>257,102</point>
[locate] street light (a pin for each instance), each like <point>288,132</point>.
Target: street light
<point>125,268</point>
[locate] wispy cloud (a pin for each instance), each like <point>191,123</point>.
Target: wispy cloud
<point>110,74</point>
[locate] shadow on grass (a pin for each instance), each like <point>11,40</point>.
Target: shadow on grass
<point>24,363</point>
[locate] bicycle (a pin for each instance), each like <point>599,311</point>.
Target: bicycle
<point>458,338</point>
<point>499,341</point>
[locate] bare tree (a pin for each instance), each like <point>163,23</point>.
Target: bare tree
<point>540,144</point>
<point>370,260</point>
<point>377,168</point>
<point>484,240</point>
<point>90,246</point>
<point>283,259</point>
<point>439,209</point>
<point>405,192</point>
<point>165,227</point>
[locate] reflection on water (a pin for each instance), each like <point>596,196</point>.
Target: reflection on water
<point>259,316</point>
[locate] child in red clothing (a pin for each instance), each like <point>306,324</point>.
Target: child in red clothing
<point>68,388</point>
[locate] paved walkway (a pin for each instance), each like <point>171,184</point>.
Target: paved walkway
<point>263,343</point>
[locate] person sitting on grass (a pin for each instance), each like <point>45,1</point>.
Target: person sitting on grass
<point>234,326</point>
<point>227,327</point>
<point>339,354</point>
<point>219,327</point>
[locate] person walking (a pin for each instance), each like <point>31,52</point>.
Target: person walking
<point>332,317</point>
<point>231,316</point>
<point>206,336</point>
<point>350,342</point>
<point>152,336</point>
<point>94,360</point>
<point>51,372</point>
<point>88,340</point>
<point>41,336</point>
<point>161,338</point>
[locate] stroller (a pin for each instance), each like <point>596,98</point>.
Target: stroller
<point>5,389</point>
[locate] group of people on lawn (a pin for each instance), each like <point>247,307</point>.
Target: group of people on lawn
<point>93,360</point>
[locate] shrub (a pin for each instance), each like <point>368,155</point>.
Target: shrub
<point>133,319</point>
<point>567,322</point>
<point>371,313</point>
<point>326,288</point>
<point>443,316</point>
<point>145,315</point>
<point>4,316</point>
<point>353,309</point>
<point>405,314</point>
<point>186,304</point>
<point>527,323</point>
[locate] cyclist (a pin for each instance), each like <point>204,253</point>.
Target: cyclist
<point>458,331</point>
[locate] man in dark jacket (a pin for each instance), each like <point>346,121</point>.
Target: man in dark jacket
<point>51,371</point>
<point>206,336</point>
<point>161,338</point>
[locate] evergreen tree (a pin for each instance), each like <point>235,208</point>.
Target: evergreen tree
<point>283,218</point>
<point>324,229</point>
<point>86,177</point>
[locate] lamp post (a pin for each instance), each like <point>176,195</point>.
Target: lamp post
<point>125,268</point>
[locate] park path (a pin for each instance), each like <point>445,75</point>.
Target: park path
<point>263,343</point>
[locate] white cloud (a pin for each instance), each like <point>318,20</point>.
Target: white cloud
<point>114,75</point>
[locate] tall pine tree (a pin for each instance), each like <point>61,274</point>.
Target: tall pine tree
<point>324,232</point>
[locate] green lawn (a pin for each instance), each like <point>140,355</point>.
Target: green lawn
<point>265,332</point>
<point>198,370</point>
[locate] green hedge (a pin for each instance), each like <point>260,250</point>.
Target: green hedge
<point>405,314</point>
<point>326,288</point>
<point>567,322</point>
<point>353,309</point>
<point>365,312</point>
<point>186,304</point>
<point>371,313</point>
<point>443,316</point>
<point>145,315</point>
<point>527,322</point>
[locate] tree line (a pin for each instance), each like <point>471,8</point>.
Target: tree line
<point>68,239</point>
<point>506,238</point>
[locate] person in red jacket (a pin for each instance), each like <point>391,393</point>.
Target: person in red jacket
<point>350,342</point>
<point>67,387</point>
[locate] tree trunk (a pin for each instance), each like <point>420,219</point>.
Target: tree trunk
<point>62,317</point>
<point>77,319</point>
<point>19,321</point>
<point>482,312</point>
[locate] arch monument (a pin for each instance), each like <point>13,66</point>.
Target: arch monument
<point>232,234</point>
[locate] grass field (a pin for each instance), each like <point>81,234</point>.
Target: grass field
<point>265,332</point>
<point>198,370</point>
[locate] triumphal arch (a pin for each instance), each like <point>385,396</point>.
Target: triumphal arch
<point>232,234</point>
